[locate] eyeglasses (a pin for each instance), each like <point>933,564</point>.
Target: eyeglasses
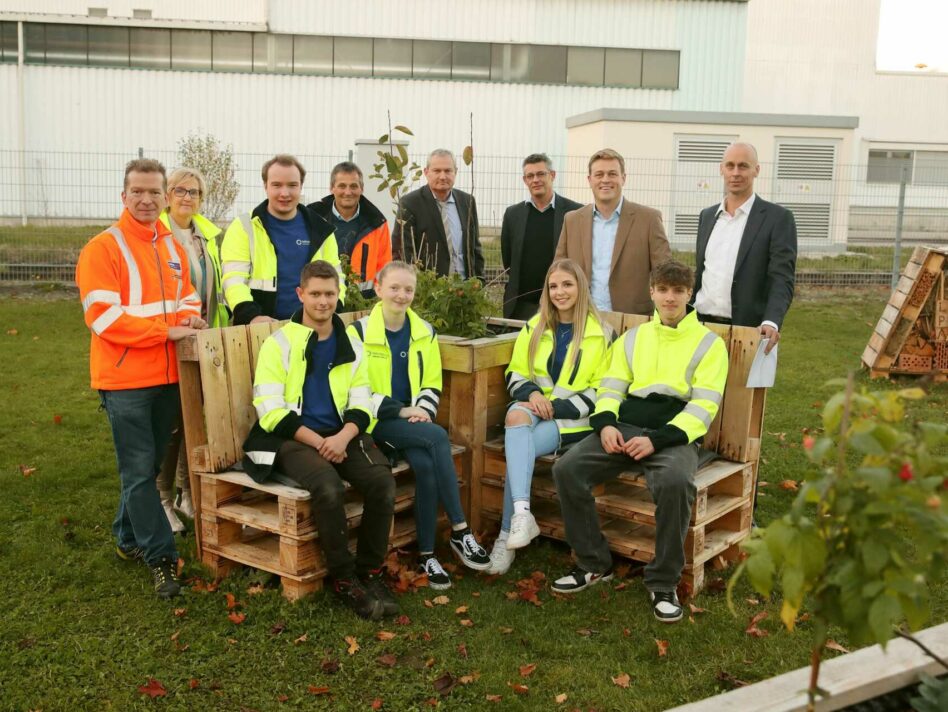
<point>193,193</point>
<point>539,174</point>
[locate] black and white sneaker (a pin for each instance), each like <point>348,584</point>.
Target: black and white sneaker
<point>579,579</point>
<point>469,551</point>
<point>665,606</point>
<point>438,578</point>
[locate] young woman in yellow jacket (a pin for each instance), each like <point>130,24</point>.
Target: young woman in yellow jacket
<point>552,377</point>
<point>404,364</point>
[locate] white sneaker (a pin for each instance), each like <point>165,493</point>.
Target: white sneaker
<point>176,526</point>
<point>523,530</point>
<point>500,558</point>
<point>184,504</point>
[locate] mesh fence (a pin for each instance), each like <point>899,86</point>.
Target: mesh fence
<point>847,225</point>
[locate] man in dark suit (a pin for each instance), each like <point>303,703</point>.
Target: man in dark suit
<point>528,237</point>
<point>746,252</point>
<point>437,224</point>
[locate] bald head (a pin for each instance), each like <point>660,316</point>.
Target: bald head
<point>739,168</point>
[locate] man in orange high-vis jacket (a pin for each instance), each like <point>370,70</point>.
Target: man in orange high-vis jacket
<point>138,300</point>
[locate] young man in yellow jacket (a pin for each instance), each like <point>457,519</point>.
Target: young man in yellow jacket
<point>660,389</point>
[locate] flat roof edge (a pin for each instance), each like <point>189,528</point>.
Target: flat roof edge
<point>713,117</point>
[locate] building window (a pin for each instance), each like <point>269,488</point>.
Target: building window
<point>108,46</point>
<point>34,39</point>
<point>659,69</point>
<point>273,53</point>
<point>623,68</point>
<point>312,55</point>
<point>470,60</point>
<point>352,57</point>
<point>886,166</point>
<point>8,46</point>
<point>391,58</point>
<point>232,52</point>
<point>585,65</point>
<point>191,50</point>
<point>931,168</point>
<point>431,59</point>
<point>66,44</point>
<point>537,64</point>
<point>150,48</point>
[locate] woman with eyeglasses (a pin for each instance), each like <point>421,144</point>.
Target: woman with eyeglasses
<point>199,238</point>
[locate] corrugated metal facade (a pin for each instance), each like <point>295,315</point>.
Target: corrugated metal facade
<point>248,11</point>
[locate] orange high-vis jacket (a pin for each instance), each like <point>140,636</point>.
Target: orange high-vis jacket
<point>134,283</point>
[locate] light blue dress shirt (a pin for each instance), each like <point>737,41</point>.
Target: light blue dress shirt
<point>603,242</point>
<point>452,229</point>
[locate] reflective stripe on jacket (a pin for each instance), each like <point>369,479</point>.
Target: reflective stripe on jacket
<point>373,250</point>
<point>687,363</point>
<point>249,262</point>
<point>278,382</point>
<point>576,384</point>
<point>134,283</point>
<point>209,231</point>
<point>424,364</point>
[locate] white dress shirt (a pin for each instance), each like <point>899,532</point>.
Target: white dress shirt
<point>603,243</point>
<point>720,259</point>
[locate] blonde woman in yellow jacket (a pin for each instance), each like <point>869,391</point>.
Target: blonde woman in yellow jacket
<point>553,379</point>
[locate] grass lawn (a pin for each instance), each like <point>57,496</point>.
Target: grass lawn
<point>84,631</point>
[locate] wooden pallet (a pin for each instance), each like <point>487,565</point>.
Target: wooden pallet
<point>914,323</point>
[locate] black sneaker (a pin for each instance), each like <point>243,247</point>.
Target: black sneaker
<point>579,579</point>
<point>471,554</point>
<point>354,596</point>
<point>438,578</point>
<point>665,606</point>
<point>132,554</point>
<point>375,585</point>
<point>166,578</point>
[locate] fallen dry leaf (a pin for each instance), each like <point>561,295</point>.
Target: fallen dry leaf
<point>428,604</point>
<point>277,628</point>
<point>620,587</point>
<point>194,684</point>
<point>560,699</point>
<point>387,660</point>
<point>833,645</point>
<point>729,680</point>
<point>587,632</point>
<point>232,602</point>
<point>462,650</point>
<point>353,644</point>
<point>385,635</point>
<point>179,612</point>
<point>153,689</point>
<point>695,610</point>
<point>444,684</point>
<point>626,632</point>
<point>468,679</point>
<point>753,601</point>
<point>527,670</point>
<point>58,419</point>
<point>232,641</point>
<point>493,698</point>
<point>425,635</point>
<point>376,704</point>
<point>403,620</point>
<point>460,609</point>
<point>467,622</point>
<point>282,698</point>
<point>504,630</point>
<point>12,332</point>
<point>441,600</point>
<point>662,646</point>
<point>255,588</point>
<point>752,628</point>
<point>330,667</point>
<point>791,485</point>
<point>27,470</point>
<point>302,639</point>
<point>622,680</point>
<point>318,690</point>
<point>237,618</point>
<point>518,688</point>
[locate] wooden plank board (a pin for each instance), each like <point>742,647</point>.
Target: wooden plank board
<point>492,351</point>
<point>239,384</point>
<point>738,403</point>
<point>222,449</point>
<point>615,320</point>
<point>195,435</point>
<point>455,356</point>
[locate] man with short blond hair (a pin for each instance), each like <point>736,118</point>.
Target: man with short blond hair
<point>437,223</point>
<point>528,237</point>
<point>615,241</point>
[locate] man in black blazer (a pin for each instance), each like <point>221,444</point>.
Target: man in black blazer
<point>746,252</point>
<point>528,237</point>
<point>437,224</point>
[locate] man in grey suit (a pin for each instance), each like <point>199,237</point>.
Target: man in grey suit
<point>746,252</point>
<point>529,235</point>
<point>437,224</point>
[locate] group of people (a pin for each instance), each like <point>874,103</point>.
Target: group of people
<point>342,405</point>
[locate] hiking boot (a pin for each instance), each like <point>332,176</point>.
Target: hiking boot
<point>376,586</point>
<point>438,578</point>
<point>183,503</point>
<point>523,530</point>
<point>500,558</point>
<point>166,578</point>
<point>166,504</point>
<point>471,554</point>
<point>665,606</point>
<point>131,554</point>
<point>579,579</point>
<point>352,594</point>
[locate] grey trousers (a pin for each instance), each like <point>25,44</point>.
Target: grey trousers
<point>670,477</point>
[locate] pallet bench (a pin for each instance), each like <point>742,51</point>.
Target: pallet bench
<point>238,521</point>
<point>723,510</point>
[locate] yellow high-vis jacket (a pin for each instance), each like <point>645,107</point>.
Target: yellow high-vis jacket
<point>209,231</point>
<point>667,380</point>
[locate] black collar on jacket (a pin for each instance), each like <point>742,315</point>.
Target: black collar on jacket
<point>344,351</point>
<point>367,210</point>
<point>317,228</point>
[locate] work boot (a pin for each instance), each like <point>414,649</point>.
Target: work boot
<point>376,586</point>
<point>352,594</point>
<point>165,572</point>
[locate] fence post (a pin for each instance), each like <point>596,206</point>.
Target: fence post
<point>21,121</point>
<point>899,215</point>
<point>141,152</point>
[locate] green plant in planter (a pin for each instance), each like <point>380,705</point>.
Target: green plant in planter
<point>867,529</point>
<point>355,301</point>
<point>453,305</point>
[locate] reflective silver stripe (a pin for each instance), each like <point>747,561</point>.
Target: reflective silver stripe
<point>106,319</point>
<point>284,343</point>
<point>614,396</point>
<point>561,392</point>
<point>232,282</point>
<point>152,308</point>
<point>247,223</point>
<point>699,353</point>
<point>581,405</point>
<point>514,380</point>
<point>103,296</point>
<point>661,388</point>
<point>268,389</point>
<point>134,276</point>
<point>615,384</point>
<point>366,285</point>
<point>261,457</point>
<point>263,285</point>
<point>707,394</point>
<point>544,381</point>
<point>270,404</point>
<point>581,423</point>
<point>235,266</point>
<point>429,394</point>
<point>698,412</point>
<point>630,347</point>
<point>377,399</point>
<point>362,397</point>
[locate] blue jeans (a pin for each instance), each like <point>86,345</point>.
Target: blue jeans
<point>428,451</point>
<point>523,444</point>
<point>142,420</point>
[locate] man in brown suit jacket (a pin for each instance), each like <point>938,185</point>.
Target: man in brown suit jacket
<point>615,241</point>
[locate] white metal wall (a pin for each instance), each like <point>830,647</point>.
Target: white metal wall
<point>230,11</point>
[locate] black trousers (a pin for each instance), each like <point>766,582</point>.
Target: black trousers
<point>368,471</point>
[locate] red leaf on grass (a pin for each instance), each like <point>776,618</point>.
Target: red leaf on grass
<point>282,698</point>
<point>232,602</point>
<point>460,609</point>
<point>752,628</point>
<point>330,667</point>
<point>467,622</point>
<point>384,635</point>
<point>527,670</point>
<point>237,618</point>
<point>662,647</point>
<point>622,680</point>
<point>444,684</point>
<point>403,620</point>
<point>153,689</point>
<point>518,688</point>
<point>387,660</point>
<point>27,470</point>
<point>58,419</point>
<point>790,485</point>
<point>314,690</point>
<point>462,650</point>
<point>194,684</point>
<point>376,704</point>
<point>179,612</point>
